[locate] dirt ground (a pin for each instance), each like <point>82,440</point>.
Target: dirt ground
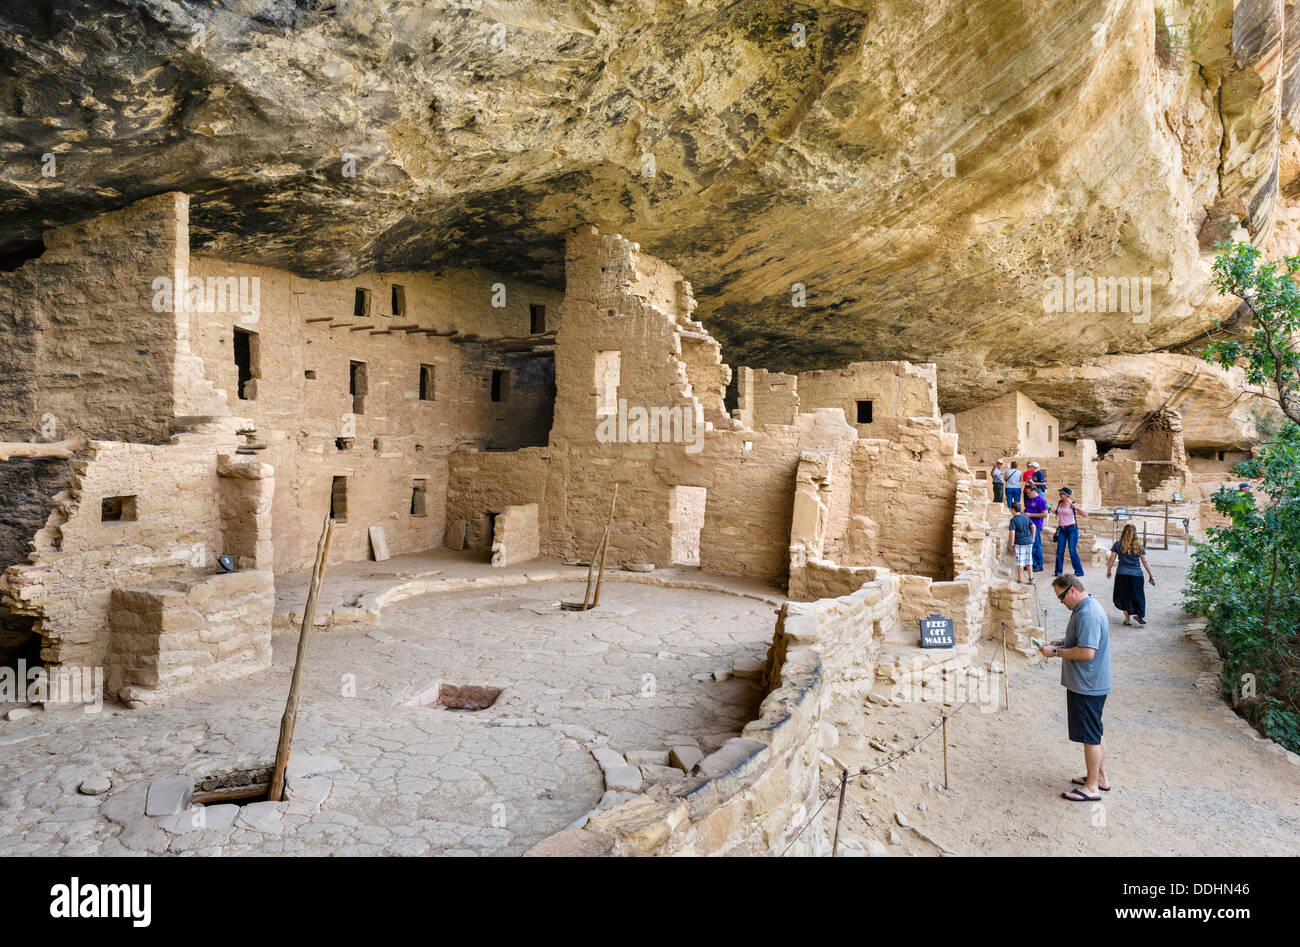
<point>1188,776</point>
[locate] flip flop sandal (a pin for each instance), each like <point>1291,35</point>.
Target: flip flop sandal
<point>1075,796</point>
<point>1080,782</point>
<point>1140,620</point>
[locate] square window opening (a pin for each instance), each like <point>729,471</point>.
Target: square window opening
<point>536,319</point>
<point>864,412</point>
<point>117,509</point>
<point>399,300</point>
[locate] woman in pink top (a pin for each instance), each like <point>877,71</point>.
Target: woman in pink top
<point>1067,533</point>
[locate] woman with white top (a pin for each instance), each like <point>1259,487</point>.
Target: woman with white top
<point>1067,531</point>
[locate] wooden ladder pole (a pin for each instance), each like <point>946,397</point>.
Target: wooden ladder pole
<point>290,717</point>
<point>1006,671</point>
<point>604,546</point>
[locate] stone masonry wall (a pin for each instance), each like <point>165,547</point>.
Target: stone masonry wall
<point>79,558</point>
<point>81,347</point>
<point>904,498</point>
<point>515,536</point>
<point>398,444</point>
<point>765,398</point>
<point>896,390</point>
<point>170,637</point>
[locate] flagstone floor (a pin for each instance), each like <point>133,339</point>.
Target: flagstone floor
<point>376,775</point>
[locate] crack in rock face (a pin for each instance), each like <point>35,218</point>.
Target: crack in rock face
<point>914,173</point>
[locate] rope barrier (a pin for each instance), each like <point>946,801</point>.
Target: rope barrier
<point>864,771</point>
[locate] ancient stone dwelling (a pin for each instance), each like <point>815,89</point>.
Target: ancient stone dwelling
<point>176,409</point>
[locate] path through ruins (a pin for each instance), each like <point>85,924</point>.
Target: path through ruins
<point>1189,777</point>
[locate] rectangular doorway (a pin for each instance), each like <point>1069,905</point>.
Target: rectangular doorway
<point>246,358</point>
<point>357,386</point>
<point>686,520</point>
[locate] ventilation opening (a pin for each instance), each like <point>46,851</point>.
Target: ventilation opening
<point>864,412</point>
<point>420,499</point>
<point>339,500</point>
<point>357,386</point>
<point>246,358</point>
<point>686,519</point>
<point>427,380</point>
<point>239,787</point>
<point>117,509</point>
<point>536,319</point>
<point>500,384</point>
<point>309,374</point>
<point>452,697</point>
<point>399,300</point>
<point>1026,430</point>
<point>344,443</point>
<point>361,303</point>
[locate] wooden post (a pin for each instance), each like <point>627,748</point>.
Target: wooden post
<point>945,752</point>
<point>1166,525</point>
<point>299,665</point>
<point>604,547</point>
<point>835,845</point>
<point>1006,672</point>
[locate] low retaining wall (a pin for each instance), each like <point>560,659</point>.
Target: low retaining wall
<point>752,796</point>
<point>756,794</point>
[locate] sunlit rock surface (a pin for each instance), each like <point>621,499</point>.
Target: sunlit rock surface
<point>922,170</point>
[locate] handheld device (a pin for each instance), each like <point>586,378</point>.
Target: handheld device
<point>1035,642</point>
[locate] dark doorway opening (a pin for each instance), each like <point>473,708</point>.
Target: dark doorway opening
<point>246,363</point>
<point>339,499</point>
<point>357,386</point>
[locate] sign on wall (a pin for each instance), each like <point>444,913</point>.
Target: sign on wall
<point>937,632</point>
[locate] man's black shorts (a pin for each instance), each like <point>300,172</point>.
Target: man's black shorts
<point>1084,714</point>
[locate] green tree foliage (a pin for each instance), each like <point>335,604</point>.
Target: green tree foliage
<point>1245,577</point>
<point>1271,355</point>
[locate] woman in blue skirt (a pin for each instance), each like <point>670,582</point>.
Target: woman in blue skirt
<point>1129,596</point>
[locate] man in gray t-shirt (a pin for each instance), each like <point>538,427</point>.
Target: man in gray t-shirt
<point>1085,675</point>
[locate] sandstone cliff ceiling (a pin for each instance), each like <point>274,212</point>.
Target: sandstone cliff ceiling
<point>921,168</point>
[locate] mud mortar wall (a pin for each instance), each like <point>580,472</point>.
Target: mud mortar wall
<point>82,350</point>
<point>177,531</point>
